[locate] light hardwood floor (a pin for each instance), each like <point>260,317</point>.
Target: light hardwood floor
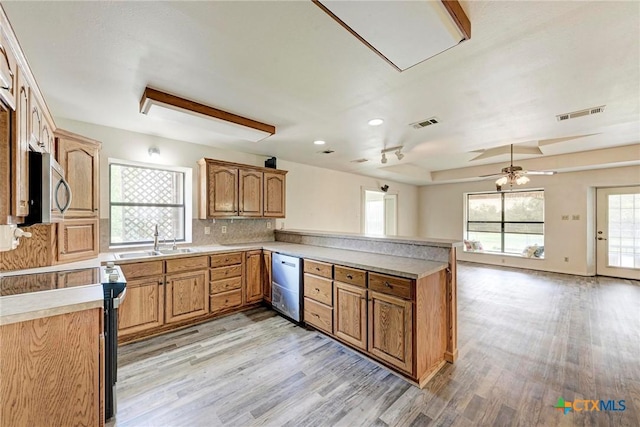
<point>525,339</point>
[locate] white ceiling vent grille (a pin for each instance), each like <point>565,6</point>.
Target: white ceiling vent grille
<point>581,113</point>
<point>359,160</point>
<point>328,151</point>
<point>424,123</point>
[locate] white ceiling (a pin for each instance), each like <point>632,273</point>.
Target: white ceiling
<point>288,64</point>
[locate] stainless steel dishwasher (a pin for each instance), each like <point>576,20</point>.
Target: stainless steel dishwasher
<point>286,296</point>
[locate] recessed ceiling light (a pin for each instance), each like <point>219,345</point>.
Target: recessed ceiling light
<point>319,142</point>
<point>375,122</point>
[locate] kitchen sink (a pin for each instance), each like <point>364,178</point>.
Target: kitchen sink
<point>176,251</point>
<point>137,254</point>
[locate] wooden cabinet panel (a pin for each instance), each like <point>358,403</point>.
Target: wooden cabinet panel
<point>266,276</point>
<point>274,194</point>
<point>350,275</point>
<point>318,268</point>
<point>225,285</point>
<point>47,135</point>
<point>187,296</point>
<point>318,288</point>
<point>350,314</point>
<point>143,307</point>
<point>8,69</point>
<point>36,120</point>
<point>250,194</point>
<point>318,315</point>
<point>221,191</point>
<point>226,300</point>
<point>391,285</point>
<point>390,330</point>
<point>80,159</point>
<point>51,372</point>
<point>221,260</point>
<point>187,264</point>
<point>77,239</point>
<point>253,277</point>
<point>142,269</point>
<point>20,152</point>
<point>226,272</point>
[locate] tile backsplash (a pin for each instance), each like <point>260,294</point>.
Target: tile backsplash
<point>238,231</point>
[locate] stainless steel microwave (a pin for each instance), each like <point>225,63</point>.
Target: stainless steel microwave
<point>49,193</point>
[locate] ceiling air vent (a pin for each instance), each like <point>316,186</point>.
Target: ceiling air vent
<point>424,123</point>
<point>326,151</point>
<point>359,161</point>
<point>581,113</point>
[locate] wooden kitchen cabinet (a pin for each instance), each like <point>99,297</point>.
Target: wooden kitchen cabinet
<point>20,150</point>
<point>8,68</point>
<point>350,314</point>
<point>253,276</point>
<point>143,306</point>
<point>77,239</point>
<point>80,159</point>
<point>51,374</point>
<point>390,330</point>
<point>275,194</point>
<point>187,296</point>
<point>266,276</point>
<point>36,123</point>
<point>218,191</point>
<point>250,192</point>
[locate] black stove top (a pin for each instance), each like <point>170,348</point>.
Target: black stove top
<point>37,282</point>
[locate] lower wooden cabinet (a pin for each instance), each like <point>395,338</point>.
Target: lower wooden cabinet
<point>390,330</point>
<point>226,300</point>
<point>51,372</point>
<point>253,276</point>
<point>266,276</point>
<point>350,314</point>
<point>143,306</point>
<point>187,296</point>
<point>78,239</point>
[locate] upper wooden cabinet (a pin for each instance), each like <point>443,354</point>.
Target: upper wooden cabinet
<point>20,150</point>
<point>231,190</point>
<point>8,68</point>
<point>80,159</point>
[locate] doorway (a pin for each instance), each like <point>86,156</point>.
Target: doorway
<point>380,213</point>
<point>618,232</point>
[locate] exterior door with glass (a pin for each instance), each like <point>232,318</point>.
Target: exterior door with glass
<point>618,232</point>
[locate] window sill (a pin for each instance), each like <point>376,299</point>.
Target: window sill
<point>501,254</point>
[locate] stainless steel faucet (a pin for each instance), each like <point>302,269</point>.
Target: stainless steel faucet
<point>156,245</point>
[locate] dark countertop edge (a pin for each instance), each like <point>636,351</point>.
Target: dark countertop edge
<point>420,241</point>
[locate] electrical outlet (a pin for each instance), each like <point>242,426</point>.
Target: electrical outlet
<point>565,217</point>
<point>575,217</point>
<point>207,230</point>
<point>223,230</point>
<point>566,259</point>
<point>268,225</point>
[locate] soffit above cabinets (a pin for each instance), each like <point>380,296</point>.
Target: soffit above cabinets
<point>404,33</point>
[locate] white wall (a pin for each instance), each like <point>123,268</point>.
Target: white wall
<point>441,210</point>
<point>317,198</point>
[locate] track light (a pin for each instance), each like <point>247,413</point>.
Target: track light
<point>384,158</point>
<point>397,150</point>
<point>399,155</point>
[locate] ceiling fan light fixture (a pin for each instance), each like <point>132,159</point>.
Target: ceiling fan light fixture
<point>384,159</point>
<point>522,180</point>
<point>503,180</point>
<point>399,154</point>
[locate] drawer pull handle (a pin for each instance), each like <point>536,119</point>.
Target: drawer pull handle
<point>313,314</point>
<point>318,268</point>
<point>388,285</point>
<point>317,290</point>
<point>349,276</point>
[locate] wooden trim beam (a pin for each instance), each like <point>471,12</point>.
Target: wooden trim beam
<point>459,17</point>
<point>152,95</point>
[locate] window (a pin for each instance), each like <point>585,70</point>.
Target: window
<point>142,196</point>
<point>380,213</point>
<point>506,222</point>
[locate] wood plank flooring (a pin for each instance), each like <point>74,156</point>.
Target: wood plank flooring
<point>525,339</point>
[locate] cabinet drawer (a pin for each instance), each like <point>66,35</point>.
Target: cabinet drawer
<point>318,268</point>
<point>187,264</point>
<point>225,300</point>
<point>318,315</point>
<point>225,272</point>
<point>351,276</point>
<point>318,288</point>
<point>142,269</point>
<point>222,260</point>
<point>391,285</point>
<point>225,285</point>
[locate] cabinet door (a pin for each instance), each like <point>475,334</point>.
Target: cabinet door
<point>250,193</point>
<point>20,152</point>
<point>77,239</point>
<point>390,330</point>
<point>350,314</point>
<point>266,276</point>
<point>253,276</point>
<point>8,70</point>
<point>187,296</point>
<point>222,191</point>
<point>143,307</point>
<point>35,124</point>
<point>81,163</point>
<point>274,194</point>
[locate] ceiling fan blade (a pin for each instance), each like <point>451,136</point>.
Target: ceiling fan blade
<point>490,175</point>
<point>539,172</point>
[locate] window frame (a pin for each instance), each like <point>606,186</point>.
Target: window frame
<point>502,221</point>
<point>187,199</point>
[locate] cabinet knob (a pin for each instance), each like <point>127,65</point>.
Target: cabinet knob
<point>317,290</point>
<point>315,315</point>
<point>349,276</point>
<point>318,268</point>
<point>388,285</point>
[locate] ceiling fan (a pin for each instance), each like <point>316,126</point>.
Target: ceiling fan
<point>514,175</point>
